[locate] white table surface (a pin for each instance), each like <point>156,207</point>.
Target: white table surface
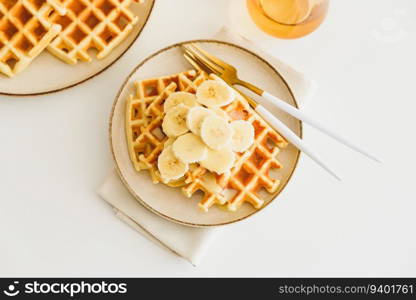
<point>54,153</point>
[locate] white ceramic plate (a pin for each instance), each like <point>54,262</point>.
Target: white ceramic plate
<point>169,202</point>
<point>47,74</point>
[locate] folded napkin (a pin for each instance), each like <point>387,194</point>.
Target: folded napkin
<point>189,243</point>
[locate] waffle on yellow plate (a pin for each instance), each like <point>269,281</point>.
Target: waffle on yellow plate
<point>98,24</point>
<point>25,30</point>
<point>251,170</point>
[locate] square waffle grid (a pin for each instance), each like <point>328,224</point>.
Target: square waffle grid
<point>144,116</point>
<point>91,24</point>
<point>25,30</point>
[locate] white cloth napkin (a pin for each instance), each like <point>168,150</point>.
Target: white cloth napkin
<point>189,243</point>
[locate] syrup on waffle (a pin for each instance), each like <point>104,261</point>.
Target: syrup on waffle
<point>91,24</point>
<point>25,30</point>
<point>251,171</point>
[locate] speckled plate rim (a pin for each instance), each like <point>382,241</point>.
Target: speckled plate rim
<point>93,75</point>
<point>124,181</point>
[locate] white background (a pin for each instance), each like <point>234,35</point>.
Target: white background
<point>54,153</point>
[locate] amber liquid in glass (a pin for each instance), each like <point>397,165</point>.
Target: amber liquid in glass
<point>288,19</point>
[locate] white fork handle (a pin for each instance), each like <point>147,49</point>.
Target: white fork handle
<point>292,137</point>
<point>291,110</point>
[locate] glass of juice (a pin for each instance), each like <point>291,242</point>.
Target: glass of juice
<point>287,19</point>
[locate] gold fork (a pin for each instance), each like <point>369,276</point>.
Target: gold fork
<point>229,74</point>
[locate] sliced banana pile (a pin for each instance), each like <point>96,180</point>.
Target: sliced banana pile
<point>201,132</point>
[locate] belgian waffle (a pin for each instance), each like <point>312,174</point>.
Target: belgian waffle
<point>144,116</point>
<point>91,24</point>
<point>251,170</point>
<point>25,30</point>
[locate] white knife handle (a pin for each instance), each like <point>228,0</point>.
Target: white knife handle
<point>291,137</point>
<point>291,110</point>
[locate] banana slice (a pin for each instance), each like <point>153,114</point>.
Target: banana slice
<point>170,167</point>
<point>174,99</point>
<point>243,135</point>
<point>195,117</point>
<point>219,161</point>
<point>189,148</point>
<point>213,93</point>
<point>174,122</point>
<point>216,132</point>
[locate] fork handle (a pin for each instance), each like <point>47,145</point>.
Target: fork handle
<point>292,137</point>
<point>274,101</point>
